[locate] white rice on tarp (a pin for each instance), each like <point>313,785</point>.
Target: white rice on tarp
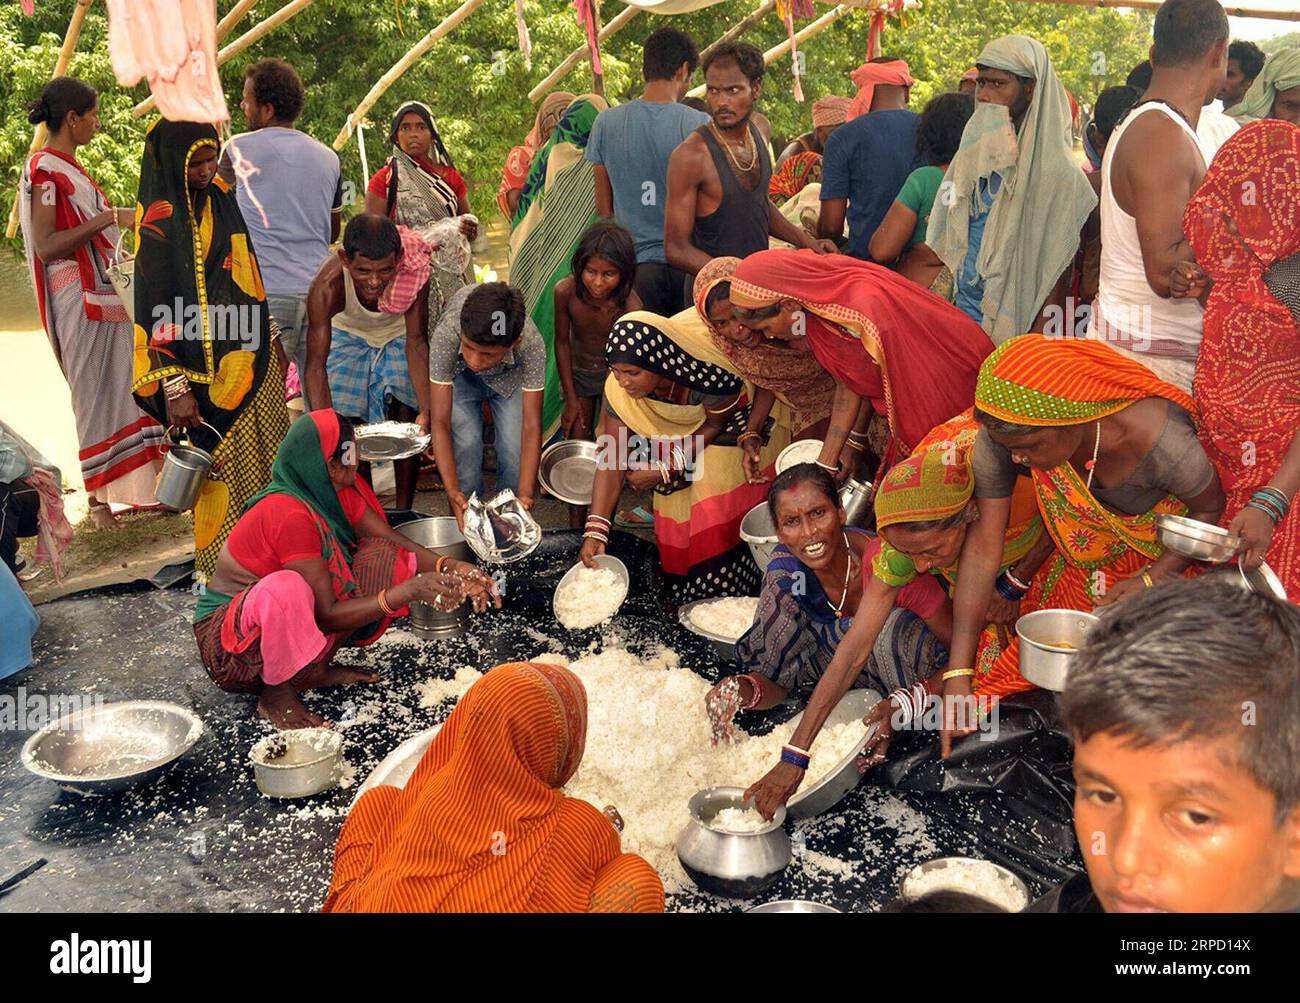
<point>435,690</point>
<point>725,617</point>
<point>648,750</point>
<point>975,877</point>
<point>588,597</point>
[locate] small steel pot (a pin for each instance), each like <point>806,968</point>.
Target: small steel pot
<point>759,531</point>
<point>855,498</point>
<point>298,763</point>
<point>184,470</point>
<point>1048,639</point>
<point>441,535</point>
<point>731,864</point>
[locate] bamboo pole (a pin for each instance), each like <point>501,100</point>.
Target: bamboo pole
<point>739,28</point>
<point>576,56</point>
<point>802,35</point>
<point>60,67</point>
<point>401,66</point>
<point>252,35</point>
<point>597,79</point>
<point>233,17</point>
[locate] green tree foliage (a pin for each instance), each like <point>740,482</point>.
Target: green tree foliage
<point>477,84</point>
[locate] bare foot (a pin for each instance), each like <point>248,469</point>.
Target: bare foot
<point>320,676</point>
<point>281,706</point>
<point>102,516</point>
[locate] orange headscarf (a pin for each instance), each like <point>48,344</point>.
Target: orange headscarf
<point>482,825</point>
<point>869,76</point>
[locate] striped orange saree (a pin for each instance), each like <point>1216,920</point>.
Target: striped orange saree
<point>482,826</point>
<point>1035,380</point>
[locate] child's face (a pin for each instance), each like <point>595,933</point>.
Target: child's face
<point>203,167</point>
<point>600,277</point>
<point>634,380</point>
<point>1181,828</point>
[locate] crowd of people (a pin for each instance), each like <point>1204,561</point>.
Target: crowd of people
<point>1032,354</point>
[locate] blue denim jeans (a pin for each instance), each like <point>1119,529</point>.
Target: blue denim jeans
<point>468,392</point>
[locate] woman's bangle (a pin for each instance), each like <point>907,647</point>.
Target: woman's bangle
<point>1271,501</point>
<point>745,436</point>
<point>828,468</point>
<point>1006,590</point>
<point>856,446</point>
<point>176,387</point>
<point>1260,506</point>
<point>1147,579</point>
<point>1277,493</point>
<point>382,599</point>
<point>795,757</point>
<point>442,561</point>
<point>1016,581</point>
<point>592,534</point>
<point>593,517</point>
<point>957,674</point>
<point>755,684</point>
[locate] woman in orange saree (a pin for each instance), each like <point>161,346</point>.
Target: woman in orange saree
<point>1247,381</point>
<point>482,825</point>
<point>1109,447</point>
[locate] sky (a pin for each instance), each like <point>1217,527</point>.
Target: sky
<point>1256,29</point>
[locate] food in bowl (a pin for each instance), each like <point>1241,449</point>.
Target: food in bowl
<point>588,596</point>
<point>728,618</point>
<point>974,877</point>
<point>738,820</point>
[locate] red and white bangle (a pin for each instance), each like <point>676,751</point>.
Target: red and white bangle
<point>756,685</point>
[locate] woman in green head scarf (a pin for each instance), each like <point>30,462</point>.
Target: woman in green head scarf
<point>557,206</point>
<point>312,565</point>
<point>1275,92</point>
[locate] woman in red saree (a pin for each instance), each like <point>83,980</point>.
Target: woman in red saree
<point>886,340</point>
<point>483,826</point>
<point>1247,382</point>
<point>1109,447</point>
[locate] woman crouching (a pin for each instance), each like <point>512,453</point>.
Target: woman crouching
<point>312,565</point>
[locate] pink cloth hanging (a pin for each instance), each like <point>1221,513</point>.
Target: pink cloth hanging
<point>585,11</point>
<point>173,43</point>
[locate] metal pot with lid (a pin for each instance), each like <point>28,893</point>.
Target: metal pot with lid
<point>185,468</point>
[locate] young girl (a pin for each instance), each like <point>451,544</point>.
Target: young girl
<point>587,303</point>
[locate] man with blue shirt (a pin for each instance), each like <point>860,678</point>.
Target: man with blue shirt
<point>290,192</point>
<point>630,146</point>
<point>869,157</point>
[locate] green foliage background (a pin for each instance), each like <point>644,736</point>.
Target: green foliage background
<point>476,82</point>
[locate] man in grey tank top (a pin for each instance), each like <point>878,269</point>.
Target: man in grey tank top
<point>718,178</point>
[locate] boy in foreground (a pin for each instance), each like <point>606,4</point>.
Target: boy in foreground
<point>1184,706</point>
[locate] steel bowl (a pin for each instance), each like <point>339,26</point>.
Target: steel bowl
<point>567,470</point>
<point>856,499</point>
<point>800,451</point>
<point>298,763</point>
<point>723,645</point>
<point>759,531</point>
<point>1201,541</point>
<point>390,440</point>
<point>441,535</point>
<point>604,561</point>
<point>792,905</point>
<point>828,789</point>
<point>1048,641</point>
<point>1262,580</point>
<point>111,747</point>
<point>731,864</point>
<point>942,863</point>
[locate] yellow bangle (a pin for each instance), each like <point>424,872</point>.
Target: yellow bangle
<point>957,673</point>
<point>383,603</point>
<point>1146,579</point>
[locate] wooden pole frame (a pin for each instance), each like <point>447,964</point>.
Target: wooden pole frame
<point>401,66</point>
<point>39,134</point>
<point>1234,11</point>
<point>252,35</point>
<point>233,17</point>
<point>809,30</point>
<point>739,28</point>
<point>577,55</point>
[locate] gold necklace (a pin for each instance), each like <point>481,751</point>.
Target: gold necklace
<point>750,147</point>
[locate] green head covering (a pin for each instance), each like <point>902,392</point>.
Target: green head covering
<point>1280,73</point>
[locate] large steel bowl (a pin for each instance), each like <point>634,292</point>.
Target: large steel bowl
<point>827,790</point>
<point>793,905</point>
<point>731,864</point>
<point>441,535</point>
<point>395,769</point>
<point>725,646</point>
<point>957,863</point>
<point>1262,580</point>
<point>111,747</point>
<point>1049,639</point>
<point>567,470</point>
<point>759,531</point>
<point>1201,541</point>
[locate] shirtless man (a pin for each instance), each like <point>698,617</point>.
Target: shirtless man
<point>712,215</point>
<point>366,364</point>
<point>1154,163</point>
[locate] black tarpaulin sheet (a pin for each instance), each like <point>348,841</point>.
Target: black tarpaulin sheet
<point>203,838</point>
